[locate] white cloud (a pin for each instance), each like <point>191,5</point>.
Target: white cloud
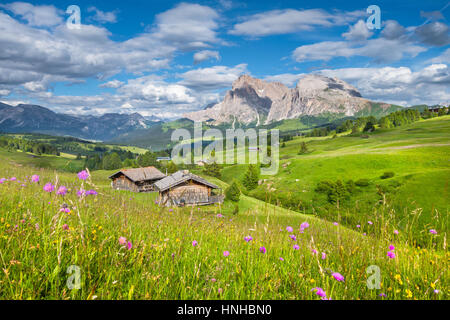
<point>60,54</point>
<point>443,58</point>
<point>214,78</point>
<point>400,85</point>
<point>4,92</point>
<point>112,84</point>
<point>157,92</point>
<point>393,30</point>
<point>189,26</point>
<point>290,21</point>
<point>40,16</point>
<point>358,32</point>
<point>102,16</point>
<point>204,55</point>
<point>380,49</point>
<point>434,34</point>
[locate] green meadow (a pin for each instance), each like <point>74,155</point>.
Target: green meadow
<point>418,154</point>
<point>123,246</point>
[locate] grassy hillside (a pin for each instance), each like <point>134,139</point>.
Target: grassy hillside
<point>64,162</point>
<point>417,154</point>
<point>194,253</point>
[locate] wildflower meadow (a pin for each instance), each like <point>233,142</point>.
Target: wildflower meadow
<point>70,236</point>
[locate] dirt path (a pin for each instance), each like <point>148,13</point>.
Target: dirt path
<point>412,146</point>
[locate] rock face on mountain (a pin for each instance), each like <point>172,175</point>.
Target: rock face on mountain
<point>36,119</point>
<point>256,101</point>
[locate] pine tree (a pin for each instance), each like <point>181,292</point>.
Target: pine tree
<point>212,170</point>
<point>233,193</point>
<point>112,161</point>
<point>251,178</point>
<point>303,148</point>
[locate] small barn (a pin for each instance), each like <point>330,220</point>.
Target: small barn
<point>184,188</point>
<point>136,180</point>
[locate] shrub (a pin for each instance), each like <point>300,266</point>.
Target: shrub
<point>212,170</point>
<point>251,178</point>
<point>236,209</point>
<point>336,191</point>
<point>303,148</point>
<point>362,182</point>
<point>387,175</point>
<point>233,193</point>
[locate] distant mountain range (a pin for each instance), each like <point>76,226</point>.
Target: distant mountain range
<point>315,101</point>
<point>26,118</point>
<point>254,101</point>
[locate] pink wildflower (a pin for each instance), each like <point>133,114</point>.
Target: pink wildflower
<point>83,175</point>
<point>62,191</point>
<point>49,187</point>
<point>122,240</point>
<point>339,277</point>
<point>320,292</point>
<point>304,225</point>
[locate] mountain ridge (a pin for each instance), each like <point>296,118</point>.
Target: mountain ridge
<point>27,118</point>
<point>253,100</point>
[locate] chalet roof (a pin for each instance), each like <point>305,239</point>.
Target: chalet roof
<point>140,174</point>
<point>180,177</point>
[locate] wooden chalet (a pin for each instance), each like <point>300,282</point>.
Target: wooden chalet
<point>136,180</point>
<point>184,188</point>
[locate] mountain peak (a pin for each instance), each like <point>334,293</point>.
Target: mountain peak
<point>315,84</point>
<point>253,100</point>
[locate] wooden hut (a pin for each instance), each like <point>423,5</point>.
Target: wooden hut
<point>136,180</point>
<point>184,188</point>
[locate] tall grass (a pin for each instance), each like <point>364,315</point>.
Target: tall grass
<point>39,242</point>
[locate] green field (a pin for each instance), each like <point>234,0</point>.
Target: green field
<point>418,154</point>
<point>39,242</point>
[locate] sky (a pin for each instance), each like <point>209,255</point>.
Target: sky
<point>168,58</point>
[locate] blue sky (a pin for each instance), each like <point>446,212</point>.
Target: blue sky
<point>167,58</point>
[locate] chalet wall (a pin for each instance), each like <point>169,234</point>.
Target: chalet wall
<point>190,193</point>
<point>123,183</point>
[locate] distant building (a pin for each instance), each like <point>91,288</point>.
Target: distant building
<point>163,159</point>
<point>136,180</point>
<point>184,188</point>
<point>201,163</point>
<point>435,109</point>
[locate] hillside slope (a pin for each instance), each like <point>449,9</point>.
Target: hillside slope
<point>417,154</point>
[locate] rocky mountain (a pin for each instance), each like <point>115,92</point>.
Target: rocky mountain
<point>256,101</point>
<point>36,119</point>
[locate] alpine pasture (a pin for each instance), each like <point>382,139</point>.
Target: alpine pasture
<point>127,247</point>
